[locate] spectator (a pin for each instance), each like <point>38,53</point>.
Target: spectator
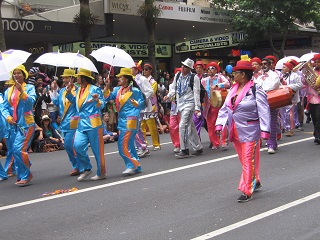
<point>49,134</point>
<point>41,99</point>
<point>108,136</point>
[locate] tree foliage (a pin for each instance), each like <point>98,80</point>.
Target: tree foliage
<point>149,12</point>
<point>263,18</point>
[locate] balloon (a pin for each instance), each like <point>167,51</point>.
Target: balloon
<point>229,69</point>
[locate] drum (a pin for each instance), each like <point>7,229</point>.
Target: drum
<point>280,98</point>
<point>217,97</point>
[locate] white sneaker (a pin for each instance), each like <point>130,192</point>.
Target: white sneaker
<point>128,171</point>
<point>271,151</point>
<point>156,148</point>
<point>176,150</point>
<point>143,152</point>
<point>84,175</point>
<point>96,177</point>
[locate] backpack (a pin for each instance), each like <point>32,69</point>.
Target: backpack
<point>202,89</point>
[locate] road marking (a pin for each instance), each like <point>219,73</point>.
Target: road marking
<point>133,179</point>
<point>257,217</point>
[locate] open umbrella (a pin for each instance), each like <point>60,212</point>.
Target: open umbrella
<point>9,60</point>
<point>50,58</point>
<point>113,56</point>
<point>280,63</point>
<point>307,57</point>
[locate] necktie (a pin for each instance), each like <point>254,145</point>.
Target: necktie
<point>14,100</point>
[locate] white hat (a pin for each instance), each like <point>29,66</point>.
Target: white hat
<point>188,63</point>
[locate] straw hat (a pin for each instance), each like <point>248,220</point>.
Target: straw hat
<point>84,72</point>
<point>68,73</point>
<point>125,72</point>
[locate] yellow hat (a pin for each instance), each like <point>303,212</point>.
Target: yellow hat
<point>23,69</point>
<point>84,72</point>
<point>10,82</point>
<point>125,71</point>
<point>68,73</point>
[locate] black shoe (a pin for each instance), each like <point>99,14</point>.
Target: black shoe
<point>244,198</point>
<point>317,141</point>
<point>183,154</point>
<point>198,152</point>
<point>210,146</point>
<point>258,186</point>
<point>308,119</point>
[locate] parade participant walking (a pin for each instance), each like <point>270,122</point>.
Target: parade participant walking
<point>313,99</point>
<point>292,80</point>
<point>3,134</point>
<point>246,112</point>
<point>188,102</point>
<point>270,80</point>
<point>174,123</point>
<point>89,102</point>
<point>18,111</point>
<point>147,90</point>
<point>214,81</point>
<point>69,117</point>
<point>129,102</point>
<point>149,118</point>
<point>256,64</point>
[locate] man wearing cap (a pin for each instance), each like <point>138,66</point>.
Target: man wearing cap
<point>198,120</point>
<point>270,80</point>
<point>273,61</point>
<point>214,81</point>
<point>188,103</point>
<point>292,80</point>
<point>256,64</point>
<point>69,117</point>
<point>147,90</point>
<point>149,118</point>
<point>89,102</point>
<point>313,98</point>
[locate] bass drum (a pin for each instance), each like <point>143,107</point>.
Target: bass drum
<point>280,98</point>
<point>217,97</point>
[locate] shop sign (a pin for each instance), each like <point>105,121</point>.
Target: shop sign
<point>17,25</point>
<point>134,49</point>
<point>216,41</point>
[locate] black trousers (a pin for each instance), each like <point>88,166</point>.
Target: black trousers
<point>315,116</point>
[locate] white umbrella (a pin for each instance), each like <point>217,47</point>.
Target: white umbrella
<point>9,60</point>
<point>307,57</point>
<point>71,60</point>
<point>113,56</point>
<point>280,63</point>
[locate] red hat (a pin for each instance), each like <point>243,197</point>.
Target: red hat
<point>199,63</point>
<point>107,66</point>
<point>243,65</point>
<point>176,70</point>
<point>293,62</point>
<point>148,65</point>
<point>138,66</point>
<point>215,65</point>
<point>273,58</point>
<point>256,59</point>
<point>289,65</point>
<point>316,57</point>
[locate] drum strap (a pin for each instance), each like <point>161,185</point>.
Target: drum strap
<point>253,89</point>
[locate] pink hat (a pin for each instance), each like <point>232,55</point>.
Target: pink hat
<point>243,65</point>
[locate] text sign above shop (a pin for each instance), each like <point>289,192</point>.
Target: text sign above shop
<point>134,49</point>
<point>215,41</point>
<point>171,11</point>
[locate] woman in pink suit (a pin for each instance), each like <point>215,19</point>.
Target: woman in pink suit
<point>246,111</point>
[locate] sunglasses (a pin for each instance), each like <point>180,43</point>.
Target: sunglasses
<point>265,63</point>
<point>146,69</point>
<point>210,68</point>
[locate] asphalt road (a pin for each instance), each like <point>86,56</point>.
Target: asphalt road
<point>192,198</point>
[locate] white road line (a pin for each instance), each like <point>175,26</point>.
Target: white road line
<point>132,179</point>
<point>110,153</point>
<point>257,217</point>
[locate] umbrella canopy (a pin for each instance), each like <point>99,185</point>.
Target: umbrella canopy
<point>71,60</point>
<point>280,63</point>
<point>9,60</point>
<point>307,57</point>
<point>113,56</point>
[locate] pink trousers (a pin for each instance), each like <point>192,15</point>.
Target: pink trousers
<point>174,130</point>
<point>211,124</point>
<point>249,156</point>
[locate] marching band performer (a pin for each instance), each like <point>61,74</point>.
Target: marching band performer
<point>69,118</point>
<point>246,112</point>
<point>18,111</point>
<point>89,102</point>
<point>214,81</point>
<point>129,102</point>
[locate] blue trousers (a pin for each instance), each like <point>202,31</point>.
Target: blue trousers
<point>9,166</point>
<point>95,138</point>
<point>3,173</point>
<point>21,139</point>
<point>127,150</point>
<point>68,145</point>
